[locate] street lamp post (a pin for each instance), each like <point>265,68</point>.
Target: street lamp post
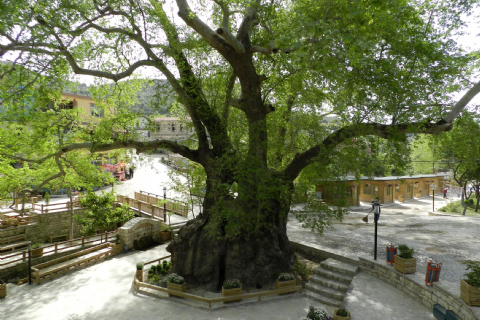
<point>164,204</point>
<point>433,197</point>
<point>376,211</point>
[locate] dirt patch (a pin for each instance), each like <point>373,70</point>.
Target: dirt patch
<point>435,250</point>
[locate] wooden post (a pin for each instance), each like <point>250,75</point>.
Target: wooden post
<point>24,253</point>
<point>106,236</point>
<point>56,247</point>
<point>83,241</point>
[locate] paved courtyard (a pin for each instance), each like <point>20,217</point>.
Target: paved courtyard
<point>105,290</point>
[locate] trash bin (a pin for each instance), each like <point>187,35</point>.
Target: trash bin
<point>439,312</point>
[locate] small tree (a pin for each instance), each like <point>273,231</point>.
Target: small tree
<point>100,212</point>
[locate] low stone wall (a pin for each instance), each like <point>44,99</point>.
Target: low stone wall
<point>443,293</point>
<point>51,224</point>
<point>138,228</point>
<point>317,253</point>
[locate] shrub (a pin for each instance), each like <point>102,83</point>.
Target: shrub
<point>36,245</point>
<point>317,314</point>
<point>405,251</point>
<point>175,278</point>
<point>139,265</point>
<point>165,228</point>
<point>342,312</point>
<point>232,284</point>
<point>286,277</point>
<point>302,270</point>
<point>473,277</point>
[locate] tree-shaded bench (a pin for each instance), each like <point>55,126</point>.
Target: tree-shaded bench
<point>47,270</point>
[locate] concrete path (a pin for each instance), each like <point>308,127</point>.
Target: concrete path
<point>106,291</point>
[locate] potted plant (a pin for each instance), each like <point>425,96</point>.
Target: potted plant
<point>401,198</point>
<point>176,283</point>
<point>405,262</point>
<point>139,273</point>
<point>315,313</point>
<point>36,250</point>
<point>165,233</point>
<point>285,280</point>
<point>3,289</point>
<point>12,221</point>
<point>470,287</point>
<point>232,287</point>
<point>341,314</point>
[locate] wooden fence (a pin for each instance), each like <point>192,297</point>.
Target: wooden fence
<point>59,206</point>
<point>143,207</point>
<point>54,248</point>
<point>257,295</point>
<point>171,205</point>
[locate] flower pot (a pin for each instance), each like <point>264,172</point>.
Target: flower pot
<point>470,294</point>
<point>336,317</point>
<point>3,290</point>
<point>405,265</point>
<point>231,292</point>
<point>165,236</point>
<point>35,253</point>
<point>287,283</point>
<point>139,275</point>
<point>176,287</point>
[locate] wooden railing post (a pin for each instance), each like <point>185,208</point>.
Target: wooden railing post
<point>41,209</point>
<point>24,253</point>
<point>83,241</point>
<point>106,236</point>
<point>56,247</point>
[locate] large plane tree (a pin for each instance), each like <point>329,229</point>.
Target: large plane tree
<point>259,81</point>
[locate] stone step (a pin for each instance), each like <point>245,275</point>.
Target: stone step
<point>323,299</point>
<point>325,291</point>
<point>339,266</point>
<point>329,283</point>
<point>327,273</point>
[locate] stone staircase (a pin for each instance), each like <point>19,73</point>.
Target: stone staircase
<point>330,282</point>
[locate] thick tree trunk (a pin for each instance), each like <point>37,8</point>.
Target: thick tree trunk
<point>243,238</point>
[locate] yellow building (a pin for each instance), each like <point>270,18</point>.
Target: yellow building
<point>387,189</point>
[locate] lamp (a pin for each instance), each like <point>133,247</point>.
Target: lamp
<point>433,196</point>
<point>376,211</point>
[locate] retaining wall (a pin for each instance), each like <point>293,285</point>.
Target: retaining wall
<point>446,294</point>
<point>51,224</point>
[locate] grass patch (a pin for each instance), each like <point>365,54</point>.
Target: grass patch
<point>455,207</point>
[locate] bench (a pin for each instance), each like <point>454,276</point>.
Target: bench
<point>52,268</point>
<point>61,237</point>
<point>18,237</point>
<point>14,246</point>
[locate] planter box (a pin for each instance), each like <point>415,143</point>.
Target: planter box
<point>470,294</point>
<point>405,265</point>
<point>36,252</point>
<point>165,236</point>
<point>285,284</point>
<point>3,291</point>
<point>139,275</point>
<point>176,287</point>
<point>335,317</point>
<point>231,292</point>
<point>418,195</point>
<point>401,198</point>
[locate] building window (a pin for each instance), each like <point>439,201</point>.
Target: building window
<point>159,127</point>
<point>367,189</point>
<point>397,186</point>
<point>409,187</point>
<point>415,185</point>
<point>96,111</point>
<point>173,127</point>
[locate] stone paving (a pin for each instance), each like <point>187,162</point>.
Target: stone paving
<point>446,239</point>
